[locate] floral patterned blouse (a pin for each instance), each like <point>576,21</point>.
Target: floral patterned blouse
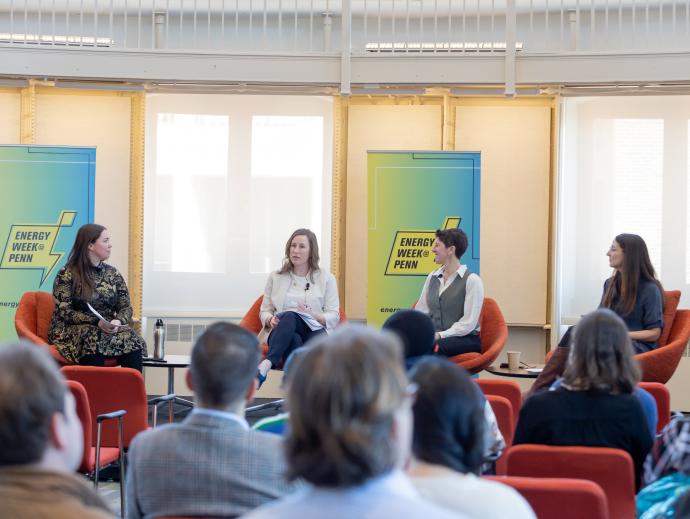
<point>74,328</point>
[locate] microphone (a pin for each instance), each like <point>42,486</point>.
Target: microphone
<point>306,287</point>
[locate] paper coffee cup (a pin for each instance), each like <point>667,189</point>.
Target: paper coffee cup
<point>513,360</point>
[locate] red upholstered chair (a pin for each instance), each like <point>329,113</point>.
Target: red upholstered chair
<point>252,322</point>
<point>110,389</point>
<point>659,364</point>
<point>96,457</point>
<point>505,388</point>
<point>504,416</point>
<point>32,320</point>
<point>611,469</point>
<point>560,498</point>
<point>663,402</point>
<point>493,335</point>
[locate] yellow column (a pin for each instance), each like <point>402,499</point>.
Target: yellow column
<point>340,107</point>
<point>136,202</point>
<point>27,115</point>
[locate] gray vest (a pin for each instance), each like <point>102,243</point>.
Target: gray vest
<point>450,306</point>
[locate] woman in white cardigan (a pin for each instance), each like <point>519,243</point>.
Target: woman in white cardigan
<point>300,301</point>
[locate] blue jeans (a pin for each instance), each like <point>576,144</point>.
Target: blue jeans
<point>291,333</point>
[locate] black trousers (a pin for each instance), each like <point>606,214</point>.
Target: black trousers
<point>291,333</point>
<point>456,345</point>
<point>133,359</point>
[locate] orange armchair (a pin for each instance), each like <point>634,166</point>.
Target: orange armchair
<point>611,469</point>
<point>493,335</point>
<point>559,498</point>
<point>252,322</point>
<point>503,410</point>
<point>659,364</point>
<point>32,320</point>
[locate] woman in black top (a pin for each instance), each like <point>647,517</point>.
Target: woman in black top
<point>594,406</point>
<point>633,292</point>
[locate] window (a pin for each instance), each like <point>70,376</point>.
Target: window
<point>623,168</point>
<point>228,178</point>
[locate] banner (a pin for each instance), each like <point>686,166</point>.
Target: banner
<point>411,194</point>
<point>47,194</point>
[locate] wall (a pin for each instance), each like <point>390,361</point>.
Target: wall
<point>375,127</point>
<point>85,119</point>
<point>9,115</point>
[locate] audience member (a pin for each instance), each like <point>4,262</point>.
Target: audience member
<point>453,296</point>
<point>448,445</point>
<point>80,336</point>
<point>594,405</point>
<point>350,432</point>
<point>40,441</point>
<point>666,471</point>
<point>211,463</point>
<point>416,331</point>
<point>300,301</point>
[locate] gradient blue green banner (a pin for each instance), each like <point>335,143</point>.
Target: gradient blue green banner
<point>47,194</point>
<point>411,194</point>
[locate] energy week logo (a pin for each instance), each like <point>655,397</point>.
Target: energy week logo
<point>411,251</point>
<point>30,246</point>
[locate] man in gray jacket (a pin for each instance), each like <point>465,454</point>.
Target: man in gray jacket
<point>211,464</point>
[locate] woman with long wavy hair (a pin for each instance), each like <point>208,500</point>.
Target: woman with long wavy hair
<point>80,336</point>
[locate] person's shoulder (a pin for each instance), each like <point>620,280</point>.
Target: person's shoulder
<point>145,441</point>
<point>501,498</point>
<point>648,288</point>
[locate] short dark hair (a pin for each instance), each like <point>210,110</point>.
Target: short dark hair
<point>415,330</point>
<point>456,237</point>
<point>601,355</point>
<point>32,391</point>
<point>224,361</point>
<point>342,399</point>
<point>448,416</point>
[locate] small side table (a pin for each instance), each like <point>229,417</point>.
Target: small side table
<point>171,362</point>
<point>519,373</point>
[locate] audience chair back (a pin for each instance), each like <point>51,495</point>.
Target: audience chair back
<point>32,321</point>
<point>659,364</point>
<point>110,389</point>
<point>663,402</point>
<point>95,457</point>
<point>504,416</point>
<point>493,335</point>
<point>507,389</point>
<point>560,498</point>
<point>611,469</point>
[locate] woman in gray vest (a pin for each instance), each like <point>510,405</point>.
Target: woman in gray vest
<point>453,296</point>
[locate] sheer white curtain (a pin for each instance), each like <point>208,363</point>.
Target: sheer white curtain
<point>624,166</point>
<point>228,178</point>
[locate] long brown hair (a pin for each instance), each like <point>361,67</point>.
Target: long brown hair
<point>624,283</point>
<point>601,355</point>
<point>79,262</point>
<point>312,261</point>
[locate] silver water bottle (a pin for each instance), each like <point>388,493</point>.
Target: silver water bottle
<point>159,340</point>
